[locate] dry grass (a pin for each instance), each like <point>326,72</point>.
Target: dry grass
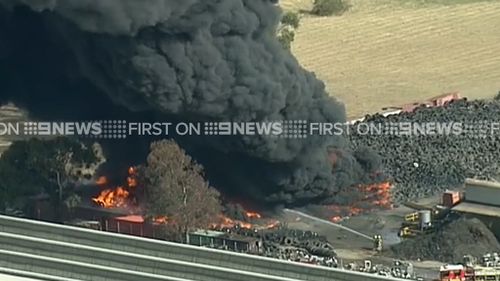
<point>384,53</point>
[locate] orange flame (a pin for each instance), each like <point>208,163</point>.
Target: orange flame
<point>116,197</point>
<point>161,220</point>
<point>131,182</point>
<point>253,215</point>
<point>374,196</point>
<point>226,222</point>
<point>272,224</point>
<point>336,219</point>
<point>132,170</point>
<point>112,198</point>
<point>101,180</point>
<point>132,178</point>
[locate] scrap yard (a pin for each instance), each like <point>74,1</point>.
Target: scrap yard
<point>250,140</point>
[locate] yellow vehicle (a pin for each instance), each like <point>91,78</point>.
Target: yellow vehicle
<point>406,232</point>
<point>413,217</point>
<point>411,231</point>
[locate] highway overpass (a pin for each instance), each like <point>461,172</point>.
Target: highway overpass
<point>44,251</point>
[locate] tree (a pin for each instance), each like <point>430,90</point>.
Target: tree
<point>34,166</point>
<point>175,188</point>
<point>286,38</point>
<point>290,21</point>
<point>329,7</point>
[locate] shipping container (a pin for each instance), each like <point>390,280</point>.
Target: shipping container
<point>451,198</point>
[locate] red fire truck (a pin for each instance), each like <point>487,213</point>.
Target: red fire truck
<point>451,272</point>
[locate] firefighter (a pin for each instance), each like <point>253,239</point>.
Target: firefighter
<point>377,243</point>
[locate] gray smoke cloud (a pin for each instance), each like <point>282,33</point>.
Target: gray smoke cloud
<point>207,60</point>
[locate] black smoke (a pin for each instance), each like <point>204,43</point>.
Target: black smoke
<point>190,60</point>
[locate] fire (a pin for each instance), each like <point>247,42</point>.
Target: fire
<point>336,219</point>
<point>226,222</point>
<point>132,177</point>
<point>118,197</point>
<point>161,220</point>
<point>131,182</point>
<point>380,193</point>
<point>101,180</point>
<point>112,198</point>
<point>374,196</point>
<point>132,170</point>
<point>253,215</point>
<point>272,224</point>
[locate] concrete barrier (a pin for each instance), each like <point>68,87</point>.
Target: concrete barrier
<point>6,273</point>
<point>74,270</point>
<point>121,260</point>
<point>174,251</point>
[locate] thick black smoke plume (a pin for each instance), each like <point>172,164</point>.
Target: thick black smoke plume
<point>186,59</point>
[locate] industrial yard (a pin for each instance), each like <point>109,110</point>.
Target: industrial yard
<point>400,182</point>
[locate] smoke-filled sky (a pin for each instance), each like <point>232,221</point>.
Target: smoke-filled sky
<point>192,59</point>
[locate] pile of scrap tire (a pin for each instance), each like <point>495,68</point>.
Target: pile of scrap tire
<point>279,237</point>
<point>450,243</point>
<point>422,164</point>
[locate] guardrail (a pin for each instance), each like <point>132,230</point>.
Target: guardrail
<point>180,252</point>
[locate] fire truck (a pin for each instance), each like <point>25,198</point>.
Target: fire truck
<point>452,272</point>
<point>487,270</point>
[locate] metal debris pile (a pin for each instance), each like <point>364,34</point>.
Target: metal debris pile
<point>399,269</point>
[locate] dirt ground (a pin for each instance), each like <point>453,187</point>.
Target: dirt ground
<point>351,247</point>
<point>392,52</point>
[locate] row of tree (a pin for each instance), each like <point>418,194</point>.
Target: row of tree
<point>173,183</point>
<point>45,167</point>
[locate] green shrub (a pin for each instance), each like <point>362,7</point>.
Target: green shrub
<point>329,7</point>
<point>291,19</point>
<point>286,38</point>
<point>286,31</point>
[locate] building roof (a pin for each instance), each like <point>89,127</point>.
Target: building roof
<point>481,183</point>
<point>478,209</point>
<point>208,233</point>
<point>224,235</point>
<point>451,267</point>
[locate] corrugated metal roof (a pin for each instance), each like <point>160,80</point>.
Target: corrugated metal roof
<point>208,233</point>
<point>479,209</point>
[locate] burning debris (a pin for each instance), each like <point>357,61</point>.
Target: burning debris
<point>251,221</point>
<point>371,197</point>
<point>118,197</point>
